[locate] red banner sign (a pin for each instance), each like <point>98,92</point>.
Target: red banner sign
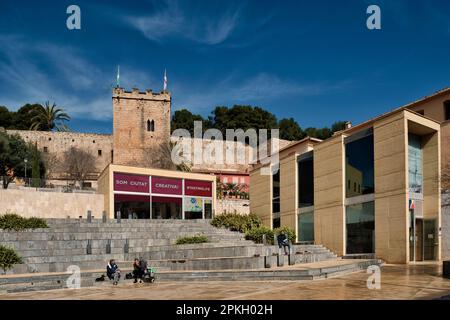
<point>131,183</point>
<point>197,188</point>
<point>166,185</point>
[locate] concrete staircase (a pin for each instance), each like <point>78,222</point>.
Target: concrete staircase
<point>90,245</point>
<point>47,253</point>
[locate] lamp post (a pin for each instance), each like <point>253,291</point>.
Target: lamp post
<point>26,161</point>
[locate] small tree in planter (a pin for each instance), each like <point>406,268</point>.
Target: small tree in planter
<point>8,258</point>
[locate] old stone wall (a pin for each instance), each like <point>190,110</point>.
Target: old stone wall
<point>232,206</point>
<point>141,122</point>
<point>32,203</point>
<point>54,144</point>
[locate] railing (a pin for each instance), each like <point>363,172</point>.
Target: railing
<point>46,185</point>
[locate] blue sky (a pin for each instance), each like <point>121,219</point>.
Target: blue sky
<point>314,61</point>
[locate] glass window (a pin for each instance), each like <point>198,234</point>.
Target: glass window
<point>276,223</point>
<point>132,206</point>
<point>166,208</point>
<point>415,161</point>
<point>447,109</point>
<point>305,183</point>
<point>208,209</point>
<point>360,227</point>
<point>359,167</point>
<point>276,192</point>
<point>306,226</point>
<point>193,208</point>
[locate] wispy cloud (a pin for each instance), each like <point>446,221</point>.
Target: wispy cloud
<point>172,21</point>
<point>260,88</point>
<point>37,72</point>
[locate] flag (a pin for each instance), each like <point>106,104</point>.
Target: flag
<point>165,80</point>
<point>118,77</point>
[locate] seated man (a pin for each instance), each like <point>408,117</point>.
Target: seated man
<point>137,271</point>
<point>283,241</point>
<point>113,271</point>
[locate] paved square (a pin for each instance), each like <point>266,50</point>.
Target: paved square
<point>420,281</point>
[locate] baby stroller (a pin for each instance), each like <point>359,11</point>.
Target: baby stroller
<point>149,275</point>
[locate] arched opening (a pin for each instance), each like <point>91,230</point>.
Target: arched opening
<point>149,125</point>
<point>152,125</point>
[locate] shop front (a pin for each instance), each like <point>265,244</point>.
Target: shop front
<point>139,193</point>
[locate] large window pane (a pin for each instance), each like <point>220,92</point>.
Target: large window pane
<point>305,183</point>
<point>360,227</point>
<point>415,162</point>
<point>132,206</point>
<point>306,226</point>
<point>359,167</point>
<point>276,192</point>
<point>276,223</point>
<point>193,208</point>
<point>166,208</point>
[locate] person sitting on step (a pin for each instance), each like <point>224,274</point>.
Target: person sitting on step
<point>137,271</point>
<point>113,271</point>
<point>283,241</point>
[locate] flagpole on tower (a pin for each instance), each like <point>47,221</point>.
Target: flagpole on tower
<point>118,77</point>
<point>165,80</point>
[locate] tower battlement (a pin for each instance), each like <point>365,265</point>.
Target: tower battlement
<point>141,123</point>
<point>135,93</point>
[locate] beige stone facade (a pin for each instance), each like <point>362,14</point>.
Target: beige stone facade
<point>329,182</point>
<point>106,183</point>
<point>141,125</point>
<point>437,107</point>
<point>141,121</point>
<point>44,204</point>
<point>53,145</point>
<point>390,199</point>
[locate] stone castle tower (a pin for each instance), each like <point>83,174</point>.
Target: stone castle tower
<point>141,123</point>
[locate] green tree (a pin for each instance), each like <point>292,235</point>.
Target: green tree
<point>35,168</point>
<point>319,133</point>
<point>13,152</point>
<point>22,118</point>
<point>290,130</point>
<point>184,119</point>
<point>338,126</point>
<point>242,117</point>
<point>5,117</point>
<point>49,118</point>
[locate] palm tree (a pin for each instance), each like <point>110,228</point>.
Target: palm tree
<point>49,117</point>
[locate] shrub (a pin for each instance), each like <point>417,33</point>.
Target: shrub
<point>256,234</point>
<point>8,258</point>
<point>192,239</point>
<point>290,233</point>
<point>236,222</point>
<point>12,221</point>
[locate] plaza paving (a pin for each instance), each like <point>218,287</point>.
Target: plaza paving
<point>421,281</point>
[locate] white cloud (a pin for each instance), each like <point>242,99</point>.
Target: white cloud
<point>257,89</point>
<point>172,21</point>
<point>35,73</point>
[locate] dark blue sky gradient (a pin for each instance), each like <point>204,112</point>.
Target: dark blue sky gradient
<point>314,61</point>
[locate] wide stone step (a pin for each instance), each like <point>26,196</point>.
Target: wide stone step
<point>60,264</point>
<point>22,283</point>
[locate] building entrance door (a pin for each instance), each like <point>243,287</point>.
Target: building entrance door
<point>419,240</point>
<point>423,239</point>
<point>430,239</point>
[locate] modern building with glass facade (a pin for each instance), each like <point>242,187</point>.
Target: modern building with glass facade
<point>372,189</point>
<point>141,193</point>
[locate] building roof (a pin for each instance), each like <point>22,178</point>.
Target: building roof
<point>399,109</point>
